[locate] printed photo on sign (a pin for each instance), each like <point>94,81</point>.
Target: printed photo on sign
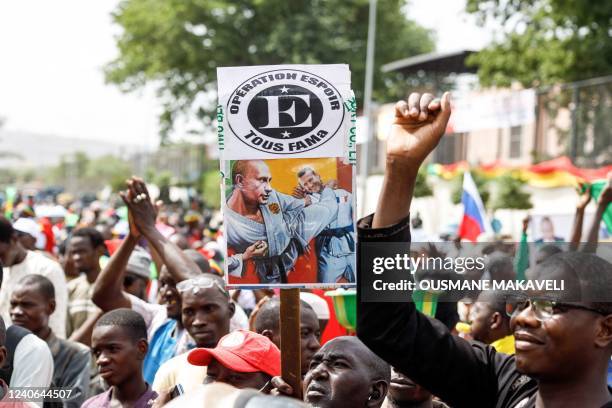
<point>290,222</point>
<point>284,111</point>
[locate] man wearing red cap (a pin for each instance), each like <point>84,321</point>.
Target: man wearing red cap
<point>243,359</point>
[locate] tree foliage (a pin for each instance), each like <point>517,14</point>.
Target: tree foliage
<point>510,194</point>
<point>84,174</point>
<point>544,41</point>
<point>109,170</point>
<point>421,186</point>
<point>211,188</point>
<point>176,45</point>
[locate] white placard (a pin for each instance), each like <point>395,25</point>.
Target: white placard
<point>504,109</point>
<point>283,111</point>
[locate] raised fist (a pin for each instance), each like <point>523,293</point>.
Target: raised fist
<point>417,128</point>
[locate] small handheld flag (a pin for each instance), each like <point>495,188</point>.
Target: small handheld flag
<point>475,221</point>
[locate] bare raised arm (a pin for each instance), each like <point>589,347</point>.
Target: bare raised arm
<point>83,333</point>
<point>108,289</point>
<point>180,266</point>
<point>605,198</point>
<point>585,198</point>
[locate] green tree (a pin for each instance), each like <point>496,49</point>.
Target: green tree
<point>482,185</point>
<point>211,188</point>
<point>70,171</point>
<point>421,187</point>
<point>108,170</point>
<point>510,194</point>
<point>82,174</point>
<point>544,41</point>
<point>163,180</point>
<point>176,45</point>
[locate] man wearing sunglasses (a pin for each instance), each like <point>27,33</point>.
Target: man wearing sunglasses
<point>562,345</point>
<point>167,335</point>
<point>206,313</point>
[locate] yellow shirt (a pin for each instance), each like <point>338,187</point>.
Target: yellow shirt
<point>504,345</point>
<point>178,370</point>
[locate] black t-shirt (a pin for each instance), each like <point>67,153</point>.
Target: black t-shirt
<point>530,403</point>
<point>459,372</point>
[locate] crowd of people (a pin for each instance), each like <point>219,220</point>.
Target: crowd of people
<point>132,310</point>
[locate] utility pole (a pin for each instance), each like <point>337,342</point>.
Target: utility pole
<point>367,102</point>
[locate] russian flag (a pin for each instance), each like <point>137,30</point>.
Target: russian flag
<point>474,220</point>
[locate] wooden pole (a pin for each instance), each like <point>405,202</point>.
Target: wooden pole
<point>291,365</point>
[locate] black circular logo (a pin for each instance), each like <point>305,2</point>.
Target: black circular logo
<point>285,111</point>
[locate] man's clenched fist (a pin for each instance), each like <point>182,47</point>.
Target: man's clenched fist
<point>417,128</point>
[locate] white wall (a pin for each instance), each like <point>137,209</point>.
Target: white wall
<point>438,211</point>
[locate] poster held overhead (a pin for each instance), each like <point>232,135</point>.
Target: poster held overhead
<point>287,148</point>
<point>287,144</point>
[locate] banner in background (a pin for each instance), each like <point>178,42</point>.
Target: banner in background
<point>504,109</point>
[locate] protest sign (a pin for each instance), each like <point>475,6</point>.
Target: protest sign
<point>287,146</point>
<point>283,111</point>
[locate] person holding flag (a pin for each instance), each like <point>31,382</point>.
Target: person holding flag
<point>599,191</point>
<point>603,195</point>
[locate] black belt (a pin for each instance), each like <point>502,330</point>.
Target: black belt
<point>327,234</point>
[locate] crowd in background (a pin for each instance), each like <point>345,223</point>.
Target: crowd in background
<point>125,304</point>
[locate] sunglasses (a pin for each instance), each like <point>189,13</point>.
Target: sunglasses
<point>543,309</point>
<point>201,282</point>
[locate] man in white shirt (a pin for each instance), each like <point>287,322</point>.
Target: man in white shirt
<point>19,262</point>
<point>28,362</point>
<point>32,361</point>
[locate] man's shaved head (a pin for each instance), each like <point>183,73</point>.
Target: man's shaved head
<point>345,373</point>
<point>40,283</point>
<point>268,316</point>
<point>489,320</point>
<point>378,369</point>
<point>267,323</point>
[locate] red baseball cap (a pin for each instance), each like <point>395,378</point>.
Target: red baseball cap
<point>243,351</point>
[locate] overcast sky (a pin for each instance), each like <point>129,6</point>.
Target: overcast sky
<point>52,52</point>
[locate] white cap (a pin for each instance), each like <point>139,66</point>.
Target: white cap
<point>318,304</point>
<point>30,227</point>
